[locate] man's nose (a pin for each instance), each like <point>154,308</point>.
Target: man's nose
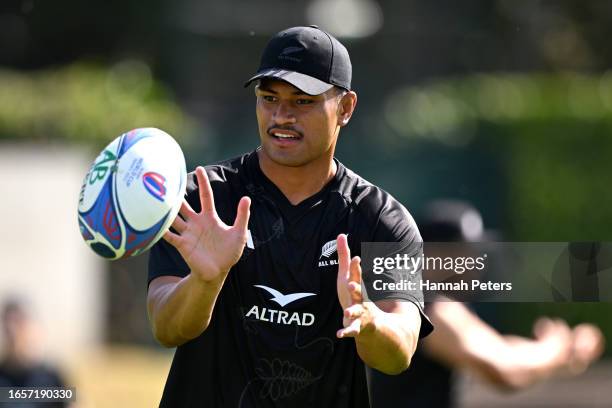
<point>284,113</point>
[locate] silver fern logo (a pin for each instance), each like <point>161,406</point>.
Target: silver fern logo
<point>282,378</point>
<point>329,248</point>
<point>277,379</point>
<point>291,54</point>
<point>291,50</point>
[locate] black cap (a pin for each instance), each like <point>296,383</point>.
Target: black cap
<point>308,58</point>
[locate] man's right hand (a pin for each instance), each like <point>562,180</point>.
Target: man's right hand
<point>209,246</point>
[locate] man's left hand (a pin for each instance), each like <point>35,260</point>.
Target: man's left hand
<point>358,316</point>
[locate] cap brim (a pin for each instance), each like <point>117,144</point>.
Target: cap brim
<point>305,83</point>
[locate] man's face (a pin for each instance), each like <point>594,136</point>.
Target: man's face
<point>296,128</point>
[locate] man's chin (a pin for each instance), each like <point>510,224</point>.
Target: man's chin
<point>283,158</point>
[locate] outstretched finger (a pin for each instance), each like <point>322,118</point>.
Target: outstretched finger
<point>186,211</point>
<point>179,224</point>
<point>242,216</point>
<point>172,238</point>
<point>355,293</point>
<point>355,278</point>
<point>353,312</point>
<point>206,195</point>
<point>344,255</point>
<point>352,330</point>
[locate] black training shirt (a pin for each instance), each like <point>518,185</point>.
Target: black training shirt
<point>271,341</point>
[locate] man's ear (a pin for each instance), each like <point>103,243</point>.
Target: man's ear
<point>346,107</point>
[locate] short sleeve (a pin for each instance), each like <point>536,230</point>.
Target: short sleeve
<point>164,259</point>
<point>397,238</point>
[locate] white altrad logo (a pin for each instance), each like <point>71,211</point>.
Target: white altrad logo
<point>284,299</point>
<point>281,316</point>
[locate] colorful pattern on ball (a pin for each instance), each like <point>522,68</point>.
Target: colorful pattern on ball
<point>155,184</point>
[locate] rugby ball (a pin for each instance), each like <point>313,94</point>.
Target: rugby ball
<point>132,193</point>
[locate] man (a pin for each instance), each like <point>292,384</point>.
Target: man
<point>256,284</point>
<point>462,341</point>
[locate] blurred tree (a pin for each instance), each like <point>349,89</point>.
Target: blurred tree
<point>87,104</point>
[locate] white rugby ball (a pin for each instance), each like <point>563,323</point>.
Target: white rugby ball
<point>132,193</point>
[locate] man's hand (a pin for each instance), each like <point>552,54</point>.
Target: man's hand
<point>207,244</point>
<point>588,345</point>
<point>556,338</point>
<point>358,315</point>
<point>385,332</point>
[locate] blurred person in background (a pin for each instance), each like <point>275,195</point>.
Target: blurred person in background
<point>463,341</point>
<point>21,365</point>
